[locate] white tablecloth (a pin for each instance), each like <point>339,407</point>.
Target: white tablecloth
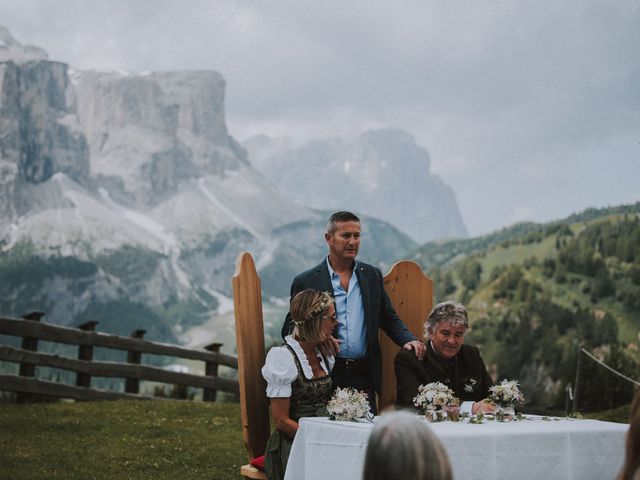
<point>529,449</point>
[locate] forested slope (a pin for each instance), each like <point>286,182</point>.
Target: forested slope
<point>538,292</point>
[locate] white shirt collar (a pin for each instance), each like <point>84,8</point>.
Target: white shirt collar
<point>306,367</point>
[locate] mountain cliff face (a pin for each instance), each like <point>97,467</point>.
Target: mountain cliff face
<point>382,173</point>
<point>157,130</point>
<point>39,131</point>
<point>123,198</point>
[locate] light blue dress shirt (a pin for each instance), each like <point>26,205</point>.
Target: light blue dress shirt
<point>351,329</point>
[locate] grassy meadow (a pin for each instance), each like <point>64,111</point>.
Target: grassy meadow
<point>124,440</point>
<point>130,440</point>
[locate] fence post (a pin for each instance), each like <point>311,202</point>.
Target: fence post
<point>28,343</point>
<point>211,370</point>
<point>85,352</point>
<point>132,385</point>
<point>576,389</point>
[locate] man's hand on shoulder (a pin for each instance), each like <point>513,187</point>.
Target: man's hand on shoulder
<point>330,347</point>
<point>418,347</point>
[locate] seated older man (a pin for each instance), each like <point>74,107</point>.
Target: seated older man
<point>448,360</point>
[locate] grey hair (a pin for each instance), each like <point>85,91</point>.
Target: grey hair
<point>452,312</point>
<point>402,445</point>
<point>341,216</point>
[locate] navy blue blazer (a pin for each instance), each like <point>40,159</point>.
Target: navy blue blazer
<point>378,310</point>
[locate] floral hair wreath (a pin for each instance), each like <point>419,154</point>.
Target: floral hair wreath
<point>325,300</point>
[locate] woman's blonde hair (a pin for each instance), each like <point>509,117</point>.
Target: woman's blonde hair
<point>307,309</point>
<point>402,445</point>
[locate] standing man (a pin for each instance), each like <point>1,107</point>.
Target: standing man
<point>362,306</point>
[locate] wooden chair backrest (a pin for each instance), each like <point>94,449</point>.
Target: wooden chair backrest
<point>247,301</point>
<point>411,293</point>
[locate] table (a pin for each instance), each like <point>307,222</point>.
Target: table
<point>530,449</point>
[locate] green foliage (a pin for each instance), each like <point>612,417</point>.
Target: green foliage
<point>136,440</point>
<point>446,253</point>
<point>599,389</point>
<point>443,284</point>
<point>27,282</point>
<point>628,293</point>
<point>618,415</point>
<point>594,213</point>
<point>608,253</point>
<point>469,272</point>
<point>545,289</point>
<point>134,264</point>
<point>23,274</point>
<point>21,266</point>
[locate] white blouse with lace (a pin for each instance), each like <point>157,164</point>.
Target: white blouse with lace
<point>280,368</point>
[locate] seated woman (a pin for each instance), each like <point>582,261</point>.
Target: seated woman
<point>297,374</point>
<point>448,360</point>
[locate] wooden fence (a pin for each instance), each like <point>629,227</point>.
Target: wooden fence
<point>25,384</point>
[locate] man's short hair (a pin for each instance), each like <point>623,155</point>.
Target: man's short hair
<point>456,313</point>
<point>341,216</point>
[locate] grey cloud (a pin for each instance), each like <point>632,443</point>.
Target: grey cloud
<point>494,90</point>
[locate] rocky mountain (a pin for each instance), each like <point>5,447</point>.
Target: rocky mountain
<point>11,50</point>
<point>124,199</point>
<point>382,173</point>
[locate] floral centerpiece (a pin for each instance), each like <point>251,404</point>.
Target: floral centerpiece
<point>349,405</point>
<point>432,399</point>
<point>506,395</point>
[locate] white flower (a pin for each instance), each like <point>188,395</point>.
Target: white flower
<point>434,396</point>
<point>348,404</point>
<point>507,392</point>
<point>468,387</point>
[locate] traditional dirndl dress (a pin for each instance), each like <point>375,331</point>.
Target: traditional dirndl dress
<point>309,398</point>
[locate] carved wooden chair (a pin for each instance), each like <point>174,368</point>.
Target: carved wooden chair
<point>247,301</point>
<point>411,293</point>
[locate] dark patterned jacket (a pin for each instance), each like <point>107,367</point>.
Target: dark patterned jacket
<point>465,374</point>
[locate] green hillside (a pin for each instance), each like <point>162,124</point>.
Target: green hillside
<point>536,293</point>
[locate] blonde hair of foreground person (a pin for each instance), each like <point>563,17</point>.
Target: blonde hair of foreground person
<point>631,468</point>
<point>402,445</point>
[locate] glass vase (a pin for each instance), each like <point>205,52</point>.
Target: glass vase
<point>505,412</point>
<point>434,416</point>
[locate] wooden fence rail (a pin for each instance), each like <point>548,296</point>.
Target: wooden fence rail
<point>31,331</point>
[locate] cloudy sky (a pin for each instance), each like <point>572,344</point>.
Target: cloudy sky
<point>530,110</point>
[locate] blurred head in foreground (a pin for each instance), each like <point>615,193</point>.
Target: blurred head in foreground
<point>402,445</point>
